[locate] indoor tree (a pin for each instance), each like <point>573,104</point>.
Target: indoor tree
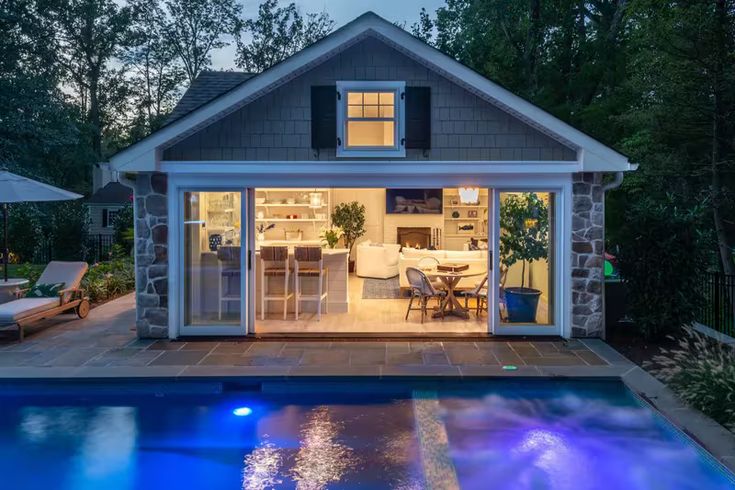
<point>350,217</point>
<point>524,225</point>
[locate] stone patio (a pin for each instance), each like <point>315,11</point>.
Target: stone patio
<point>106,339</point>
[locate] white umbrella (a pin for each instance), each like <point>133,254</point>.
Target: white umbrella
<point>14,188</point>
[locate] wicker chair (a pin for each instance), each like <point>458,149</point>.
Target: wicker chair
<point>422,289</point>
<point>479,292</point>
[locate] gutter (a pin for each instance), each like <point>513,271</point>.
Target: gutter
<point>614,184</point>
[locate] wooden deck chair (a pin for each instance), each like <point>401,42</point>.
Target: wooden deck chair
<point>25,310</point>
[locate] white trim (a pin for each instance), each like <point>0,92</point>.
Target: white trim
<point>145,155</point>
<point>399,119</point>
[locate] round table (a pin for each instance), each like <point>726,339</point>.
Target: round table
<point>8,288</point>
<point>451,305</point>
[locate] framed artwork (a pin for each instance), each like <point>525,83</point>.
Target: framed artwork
<point>465,228</point>
<point>472,213</point>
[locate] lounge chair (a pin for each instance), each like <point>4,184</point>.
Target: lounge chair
<point>20,312</point>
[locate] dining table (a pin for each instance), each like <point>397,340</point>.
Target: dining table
<point>451,305</point>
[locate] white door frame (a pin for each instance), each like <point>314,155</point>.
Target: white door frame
<point>176,189</point>
<point>560,323</point>
<point>559,183</point>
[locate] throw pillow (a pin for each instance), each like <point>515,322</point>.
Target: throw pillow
<point>45,290</point>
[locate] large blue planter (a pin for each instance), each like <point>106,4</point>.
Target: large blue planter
<point>522,304</point>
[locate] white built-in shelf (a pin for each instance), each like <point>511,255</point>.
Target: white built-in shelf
<point>471,206</point>
<point>295,220</point>
<point>463,219</point>
<point>281,205</point>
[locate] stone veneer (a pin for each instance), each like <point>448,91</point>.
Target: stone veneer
<point>588,212</point>
<point>151,253</point>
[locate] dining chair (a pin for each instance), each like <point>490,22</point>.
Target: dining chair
<point>479,293</point>
<point>423,289</point>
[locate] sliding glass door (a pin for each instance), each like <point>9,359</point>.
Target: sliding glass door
<point>213,262</point>
<point>526,275</point>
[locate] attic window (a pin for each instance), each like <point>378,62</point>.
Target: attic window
<point>370,119</point>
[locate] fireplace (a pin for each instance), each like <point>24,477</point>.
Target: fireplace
<point>414,237</point>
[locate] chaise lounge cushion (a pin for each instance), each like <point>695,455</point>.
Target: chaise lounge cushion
<point>69,273</point>
<point>16,310</point>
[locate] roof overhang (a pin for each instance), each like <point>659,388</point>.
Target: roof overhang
<point>593,156</point>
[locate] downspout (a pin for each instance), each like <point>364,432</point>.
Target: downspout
<point>614,184</point>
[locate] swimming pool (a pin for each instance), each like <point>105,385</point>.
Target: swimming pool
<point>326,434</point>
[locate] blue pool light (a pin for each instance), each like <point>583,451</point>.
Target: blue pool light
<point>510,367</point>
<point>242,411</point>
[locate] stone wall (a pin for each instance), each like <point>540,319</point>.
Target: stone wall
<point>151,253</point>
<point>588,211</point>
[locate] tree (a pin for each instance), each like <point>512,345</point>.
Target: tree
<point>197,27</point>
<point>277,33</point>
<point>350,217</point>
<point>155,71</point>
<point>90,34</point>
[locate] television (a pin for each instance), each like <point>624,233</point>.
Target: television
<point>413,201</point>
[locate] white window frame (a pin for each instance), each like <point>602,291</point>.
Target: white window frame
<point>399,148</point>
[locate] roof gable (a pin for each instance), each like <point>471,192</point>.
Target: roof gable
<point>592,155</point>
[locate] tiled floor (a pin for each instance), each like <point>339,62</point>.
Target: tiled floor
<point>107,339</point>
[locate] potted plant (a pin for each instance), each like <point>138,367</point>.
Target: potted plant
<point>524,224</point>
<point>350,217</point>
<point>331,235</point>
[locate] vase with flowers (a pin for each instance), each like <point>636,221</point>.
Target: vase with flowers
<point>331,235</point>
<point>261,229</point>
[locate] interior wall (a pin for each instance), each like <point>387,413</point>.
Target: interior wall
<point>394,221</point>
<point>374,202</point>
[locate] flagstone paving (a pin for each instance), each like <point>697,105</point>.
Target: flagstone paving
<point>106,339</point>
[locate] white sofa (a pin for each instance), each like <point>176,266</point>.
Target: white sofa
<point>476,259</point>
<point>377,260</point>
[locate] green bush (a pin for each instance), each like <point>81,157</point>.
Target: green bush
<point>663,252</point>
<point>702,373</point>
<point>108,280</point>
<point>123,225</point>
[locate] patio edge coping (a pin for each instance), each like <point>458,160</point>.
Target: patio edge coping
<point>714,438</point>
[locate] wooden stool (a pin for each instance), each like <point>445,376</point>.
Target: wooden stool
<point>274,263</point>
<point>308,262</point>
<point>228,258</point>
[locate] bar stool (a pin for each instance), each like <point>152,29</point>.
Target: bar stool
<point>274,263</point>
<point>228,258</point>
<point>308,262</point>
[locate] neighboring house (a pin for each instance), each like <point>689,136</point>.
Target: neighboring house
<point>104,205</point>
<point>435,152</point>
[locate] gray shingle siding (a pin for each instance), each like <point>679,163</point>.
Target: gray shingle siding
<point>277,126</point>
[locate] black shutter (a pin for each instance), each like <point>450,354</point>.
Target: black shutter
<point>418,117</point>
<point>104,218</point>
<point>324,116</point>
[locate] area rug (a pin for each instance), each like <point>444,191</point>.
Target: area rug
<point>381,288</point>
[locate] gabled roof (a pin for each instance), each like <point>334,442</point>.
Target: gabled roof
<point>208,85</point>
<point>593,156</point>
<point>112,193</point>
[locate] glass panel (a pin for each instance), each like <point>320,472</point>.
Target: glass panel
<point>370,134</point>
<point>526,257</point>
<point>212,266</point>
<point>386,111</point>
<point>354,98</point>
<point>371,98</point>
<point>387,98</point>
<point>371,111</point>
<point>354,111</point>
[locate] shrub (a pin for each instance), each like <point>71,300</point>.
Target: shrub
<point>702,373</point>
<point>29,271</point>
<point>108,280</point>
<point>663,252</point>
<point>123,226</point>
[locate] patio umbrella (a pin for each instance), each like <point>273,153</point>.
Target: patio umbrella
<point>14,188</point>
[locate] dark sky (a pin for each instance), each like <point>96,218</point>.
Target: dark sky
<point>342,11</point>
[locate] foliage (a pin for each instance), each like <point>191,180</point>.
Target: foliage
<point>701,372</point>
<point>524,221</point>
<point>124,234</point>
<point>331,235</point>
<point>108,280</point>
<point>277,33</point>
<point>197,27</point>
<point>24,230</point>
<point>28,271</point>
<point>662,256</point>
<point>350,217</point>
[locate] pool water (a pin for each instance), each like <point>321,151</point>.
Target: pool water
<point>413,434</point>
